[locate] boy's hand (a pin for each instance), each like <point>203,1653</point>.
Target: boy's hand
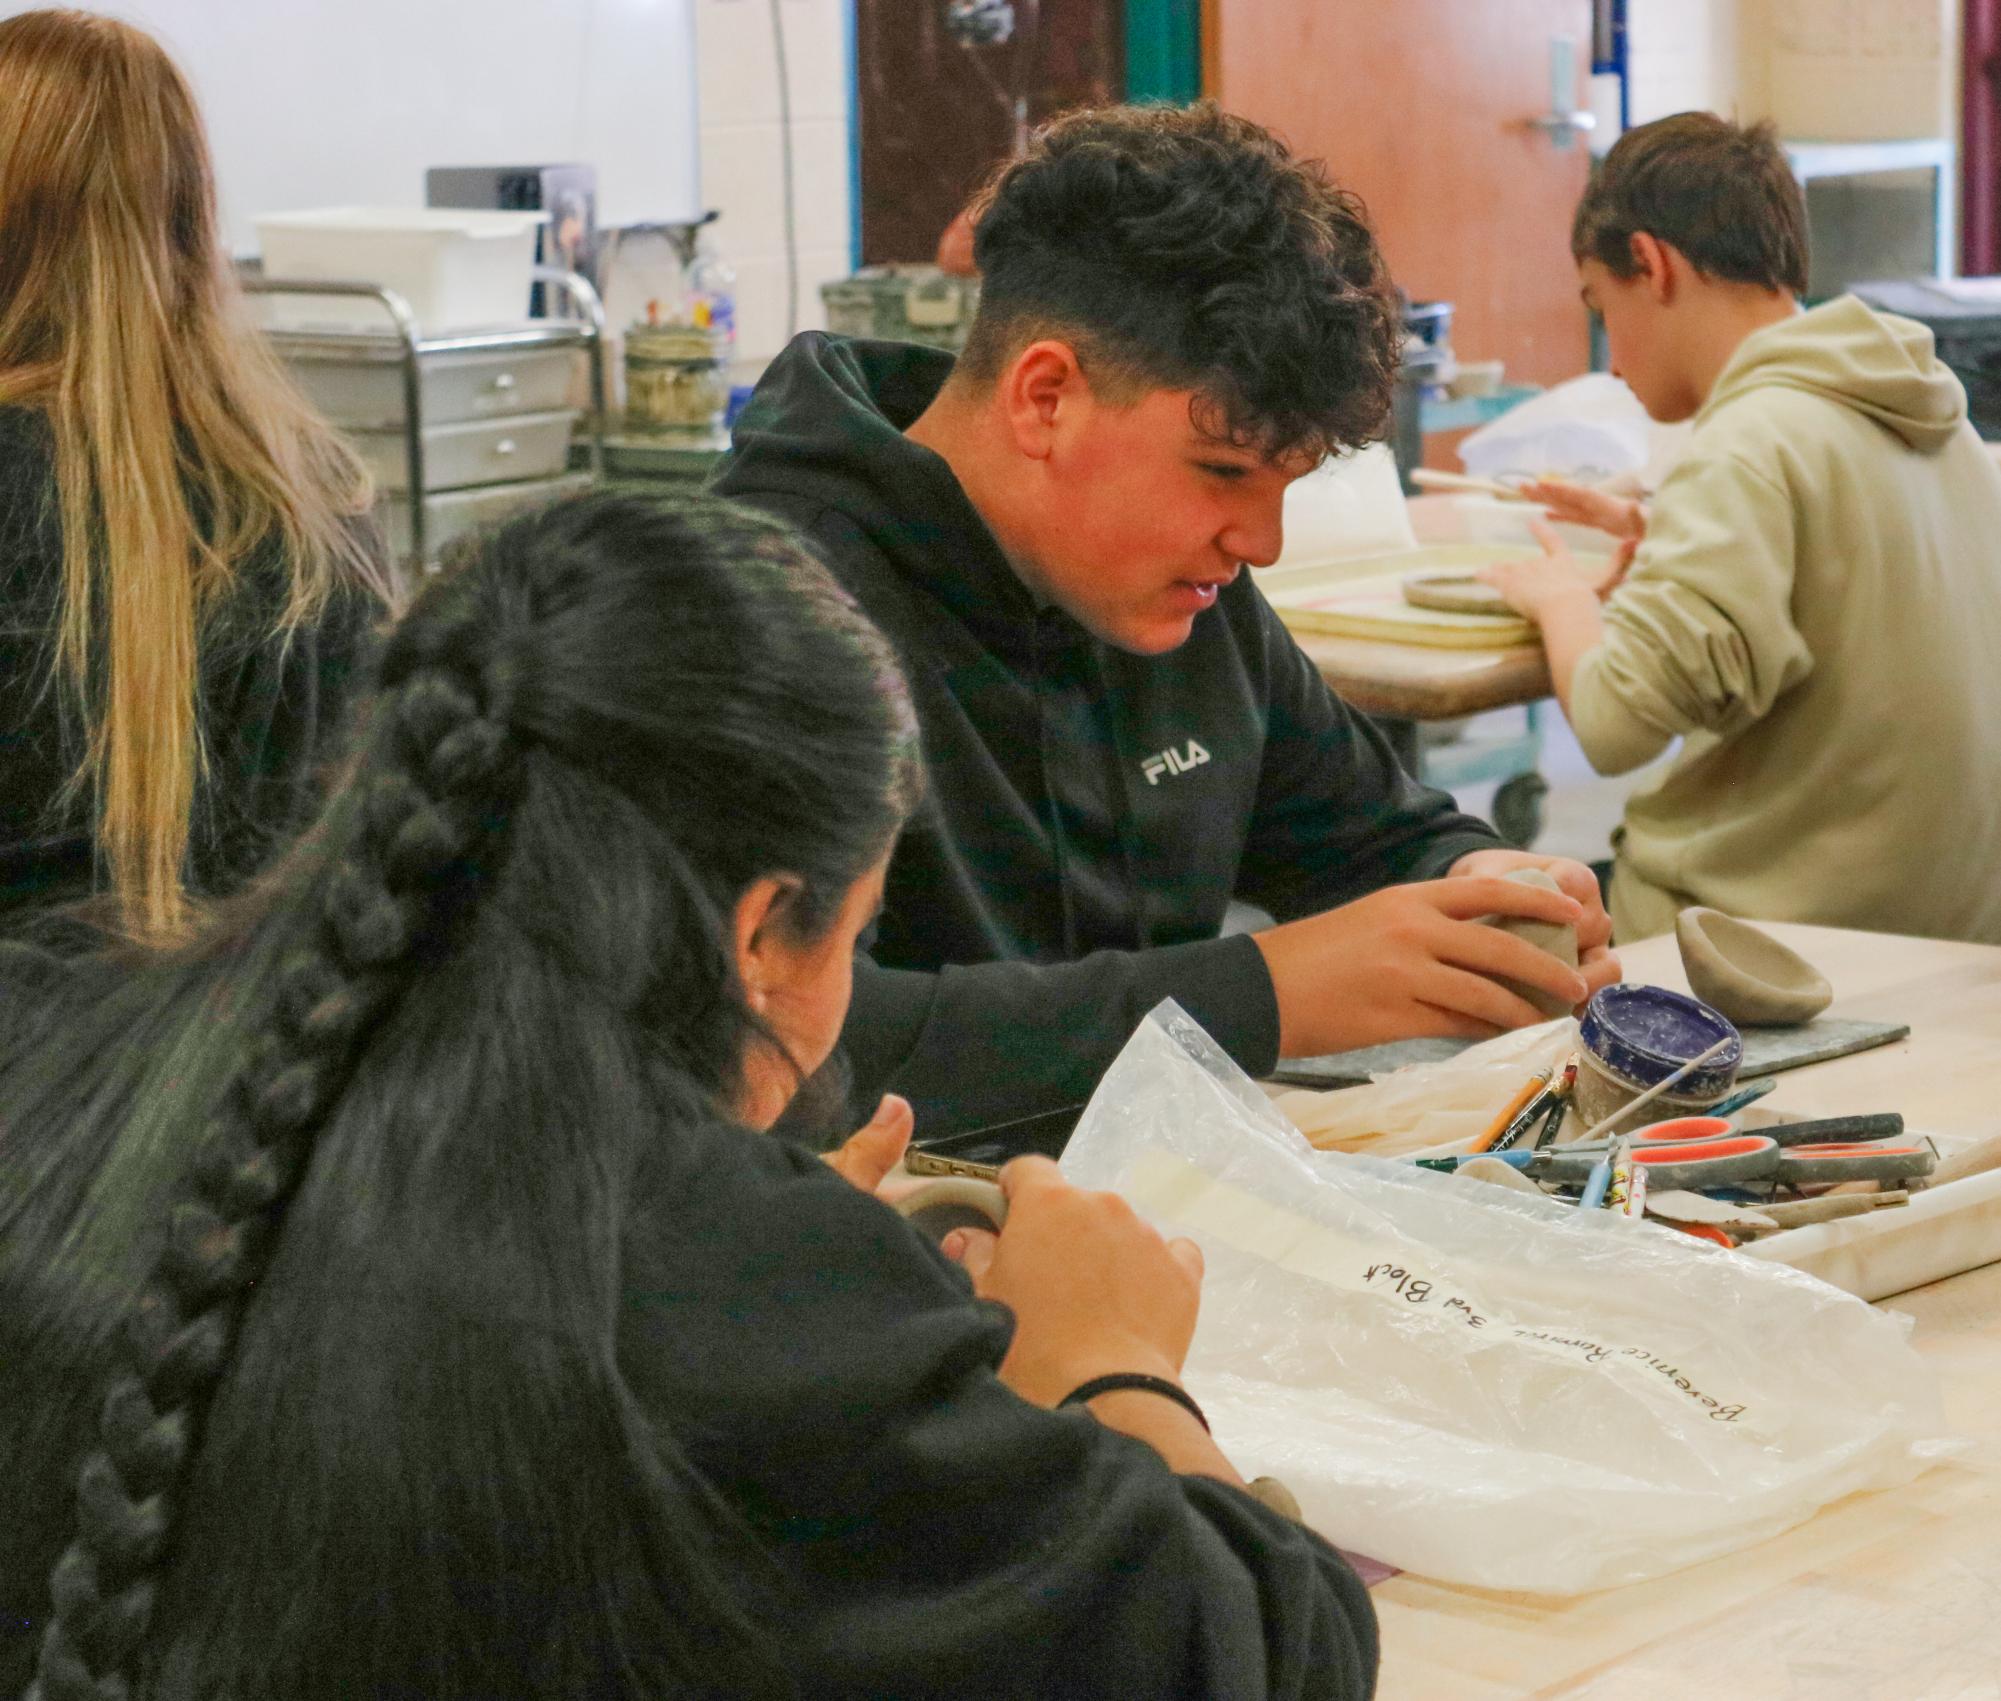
<point>1595,961</point>
<point>1540,582</point>
<point>1580,505</point>
<point>1414,961</point>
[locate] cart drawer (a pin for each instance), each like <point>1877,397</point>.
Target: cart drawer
<point>368,395</point>
<point>451,514</point>
<point>487,451</point>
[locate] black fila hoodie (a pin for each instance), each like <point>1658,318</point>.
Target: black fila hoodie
<point>1089,813</point>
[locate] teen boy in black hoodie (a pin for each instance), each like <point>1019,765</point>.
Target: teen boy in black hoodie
<point>1178,319</point>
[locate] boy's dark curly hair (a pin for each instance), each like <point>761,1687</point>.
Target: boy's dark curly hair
<point>1183,248</point>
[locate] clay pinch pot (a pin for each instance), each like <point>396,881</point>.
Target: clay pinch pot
<point>1454,593</point>
<point>1746,973</point>
<point>1558,939</point>
<point>953,1202</point>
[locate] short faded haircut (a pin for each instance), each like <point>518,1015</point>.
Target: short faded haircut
<point>1721,193</point>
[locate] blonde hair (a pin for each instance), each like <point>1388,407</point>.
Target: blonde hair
<point>180,445</point>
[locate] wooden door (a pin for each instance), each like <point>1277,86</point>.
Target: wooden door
<point>1423,107</point>
<point>947,91</point>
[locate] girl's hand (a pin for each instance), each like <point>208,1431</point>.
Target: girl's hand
<point>1093,1289</point>
<point>872,1151</point>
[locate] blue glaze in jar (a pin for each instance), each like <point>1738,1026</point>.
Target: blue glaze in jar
<point>1646,1033</point>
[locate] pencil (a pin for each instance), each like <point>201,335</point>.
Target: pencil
<point>1515,1106</point>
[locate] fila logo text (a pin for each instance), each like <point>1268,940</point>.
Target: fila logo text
<point>1172,761</point>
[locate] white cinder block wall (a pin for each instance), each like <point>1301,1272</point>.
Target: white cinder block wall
<point>742,143</point>
<point>1823,70</point>
<point>1683,56</point>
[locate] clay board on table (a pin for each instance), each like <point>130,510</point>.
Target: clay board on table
<point>1363,598</point>
<point>1767,1051</point>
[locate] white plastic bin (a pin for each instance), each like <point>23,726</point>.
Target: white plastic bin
<point>456,267</point>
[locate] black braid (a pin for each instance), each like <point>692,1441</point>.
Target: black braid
<point>434,784</point>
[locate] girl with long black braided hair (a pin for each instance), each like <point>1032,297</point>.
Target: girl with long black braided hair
<point>395,1302</point>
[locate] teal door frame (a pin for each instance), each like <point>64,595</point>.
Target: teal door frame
<point>1164,50</point>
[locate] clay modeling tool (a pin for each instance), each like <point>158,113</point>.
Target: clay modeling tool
<point>1659,1087</point>
<point>1619,1188</point>
<point>1636,1193</point>
<point>1886,1126</point>
<point>1514,1107</point>
<point>1428,479</point>
<point>1742,1097</point>
<point>1546,1135</point>
<point>1560,1093</point>
<point>1518,1160</point>
<point>1536,1110</point>
<point>1596,1181</point>
<point>1828,1208</point>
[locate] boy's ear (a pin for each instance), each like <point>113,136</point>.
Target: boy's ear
<point>1040,388</point>
<point>1655,265</point>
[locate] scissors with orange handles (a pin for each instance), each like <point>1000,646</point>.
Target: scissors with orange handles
<point>1744,1160</point>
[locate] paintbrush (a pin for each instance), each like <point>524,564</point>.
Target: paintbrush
<point>1655,1091</point>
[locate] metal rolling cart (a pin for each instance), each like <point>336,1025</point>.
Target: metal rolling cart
<point>461,428</point>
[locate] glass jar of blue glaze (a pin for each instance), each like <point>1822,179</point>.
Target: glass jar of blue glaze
<point>1634,1038</point>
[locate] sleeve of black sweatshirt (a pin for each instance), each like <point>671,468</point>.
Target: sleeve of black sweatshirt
<point>1337,817</point>
<point>996,1042</point>
<point>832,1375</point>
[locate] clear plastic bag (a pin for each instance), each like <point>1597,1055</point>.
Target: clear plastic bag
<point>1485,1387</point>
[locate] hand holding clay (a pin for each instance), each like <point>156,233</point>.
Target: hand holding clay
<point>1559,941</point>
<point>1094,1290</point>
<point>1415,961</point>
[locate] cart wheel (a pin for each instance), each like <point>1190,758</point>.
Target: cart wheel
<point>1518,809</point>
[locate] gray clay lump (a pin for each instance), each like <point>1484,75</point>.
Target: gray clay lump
<point>1747,974</point>
<point>1558,939</point>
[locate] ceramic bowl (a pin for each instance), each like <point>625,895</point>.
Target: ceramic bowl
<point>1746,973</point>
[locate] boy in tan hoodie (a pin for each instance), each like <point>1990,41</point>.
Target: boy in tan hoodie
<point>1813,603</point>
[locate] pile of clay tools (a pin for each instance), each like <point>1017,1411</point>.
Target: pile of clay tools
<point>1702,1174</point>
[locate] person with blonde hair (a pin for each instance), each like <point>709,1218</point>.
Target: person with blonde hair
<point>184,572</point>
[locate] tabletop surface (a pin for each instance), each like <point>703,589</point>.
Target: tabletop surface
<point>1881,1597</point>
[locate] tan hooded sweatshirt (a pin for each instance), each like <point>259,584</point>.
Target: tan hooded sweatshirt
<point>1816,613</point>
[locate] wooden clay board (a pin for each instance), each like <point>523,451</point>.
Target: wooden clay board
<point>1455,593</point>
<point>1363,598</point>
<point>1767,1051</point>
